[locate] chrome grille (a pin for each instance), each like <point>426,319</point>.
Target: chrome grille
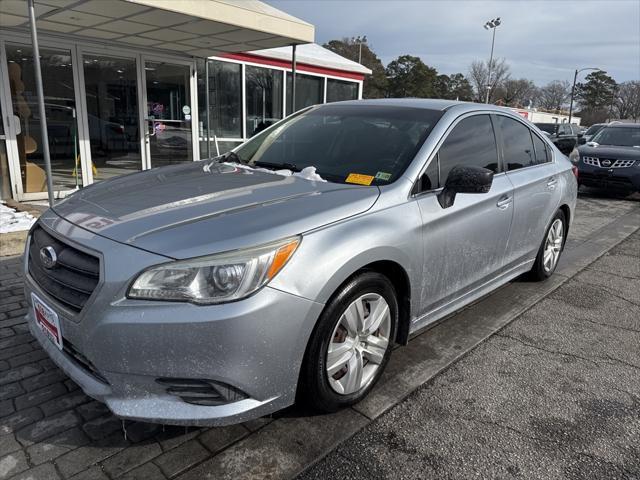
<point>607,162</point>
<point>72,279</point>
<point>622,163</point>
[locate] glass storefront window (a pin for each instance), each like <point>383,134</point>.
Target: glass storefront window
<point>264,98</point>
<point>223,147</point>
<point>339,90</point>
<point>309,91</point>
<point>225,99</point>
<point>60,109</point>
<point>168,113</point>
<point>112,107</point>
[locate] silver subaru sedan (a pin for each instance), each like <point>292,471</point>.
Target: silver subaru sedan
<point>222,290</point>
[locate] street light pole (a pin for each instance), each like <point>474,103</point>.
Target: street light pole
<point>40,95</point>
<point>491,24</point>
<point>573,88</point>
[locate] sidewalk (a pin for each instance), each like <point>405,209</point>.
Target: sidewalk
<point>555,394</point>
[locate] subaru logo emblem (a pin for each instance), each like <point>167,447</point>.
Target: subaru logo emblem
<point>48,257</point>
<point>605,162</point>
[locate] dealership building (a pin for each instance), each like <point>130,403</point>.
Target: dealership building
<point>135,84</point>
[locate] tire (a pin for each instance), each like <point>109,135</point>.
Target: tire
<point>542,269</point>
<point>362,293</point>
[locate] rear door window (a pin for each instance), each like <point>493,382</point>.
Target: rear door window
<point>518,146</point>
<point>541,150</point>
<point>472,142</point>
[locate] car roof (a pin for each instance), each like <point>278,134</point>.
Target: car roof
<point>623,125</point>
<point>426,103</point>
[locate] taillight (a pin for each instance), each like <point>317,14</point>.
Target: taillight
<point>574,169</point>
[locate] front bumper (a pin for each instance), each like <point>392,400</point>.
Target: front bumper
<point>619,179</point>
<point>255,345</point>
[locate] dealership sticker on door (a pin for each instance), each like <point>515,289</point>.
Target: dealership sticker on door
<point>47,320</point>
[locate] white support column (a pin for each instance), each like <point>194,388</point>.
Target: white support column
<point>243,114</point>
<point>324,95</point>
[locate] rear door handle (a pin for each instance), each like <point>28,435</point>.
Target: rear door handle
<point>551,183</point>
<point>504,202</point>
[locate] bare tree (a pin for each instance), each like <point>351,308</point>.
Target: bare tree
<point>479,77</point>
<point>554,95</point>
<point>627,101</point>
<point>515,93</point>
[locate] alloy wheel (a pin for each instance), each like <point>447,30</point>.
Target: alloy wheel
<point>553,245</point>
<point>358,344</point>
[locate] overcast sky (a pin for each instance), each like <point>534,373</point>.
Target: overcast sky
<point>541,40</point>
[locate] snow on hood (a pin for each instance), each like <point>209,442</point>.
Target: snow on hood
<point>308,173</point>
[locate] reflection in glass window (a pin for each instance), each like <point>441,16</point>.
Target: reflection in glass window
<point>168,113</point>
<point>542,151</point>
<point>264,98</point>
<point>371,142</point>
<point>309,91</point>
<point>60,109</point>
<point>225,99</point>
<point>112,107</point>
<point>518,148</point>
<point>223,147</point>
<point>338,90</point>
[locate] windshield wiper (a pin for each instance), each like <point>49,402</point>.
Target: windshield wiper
<point>278,166</point>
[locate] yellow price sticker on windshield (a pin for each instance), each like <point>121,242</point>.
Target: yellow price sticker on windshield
<point>359,179</point>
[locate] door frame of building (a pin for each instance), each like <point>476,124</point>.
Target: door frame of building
<point>5,94</point>
<point>108,51</point>
<point>193,98</point>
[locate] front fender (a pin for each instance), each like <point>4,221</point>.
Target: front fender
<point>327,257</point>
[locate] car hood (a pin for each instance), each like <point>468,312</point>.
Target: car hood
<point>200,208</point>
<point>608,151</point>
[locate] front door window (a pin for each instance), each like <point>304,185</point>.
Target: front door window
<point>169,113</point>
<point>60,108</point>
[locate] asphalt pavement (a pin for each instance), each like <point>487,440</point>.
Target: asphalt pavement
<point>553,395</point>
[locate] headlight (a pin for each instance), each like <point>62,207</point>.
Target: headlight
<point>217,278</point>
<point>574,156</point>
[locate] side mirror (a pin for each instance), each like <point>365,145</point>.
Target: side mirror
<point>464,179</point>
<point>582,140</point>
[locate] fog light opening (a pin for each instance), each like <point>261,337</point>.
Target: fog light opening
<point>202,392</point>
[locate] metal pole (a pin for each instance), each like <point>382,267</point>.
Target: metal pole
<point>206,101</point>
<point>293,80</point>
<point>493,40</point>
<point>41,110</point>
<point>573,88</point>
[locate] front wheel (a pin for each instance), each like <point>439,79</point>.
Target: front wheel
<point>351,344</point>
<point>551,248</point>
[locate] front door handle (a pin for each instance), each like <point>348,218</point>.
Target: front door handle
<point>504,202</point>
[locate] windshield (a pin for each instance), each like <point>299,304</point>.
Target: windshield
<point>593,129</point>
<point>363,144</point>
<point>547,127</point>
<point>623,137</point>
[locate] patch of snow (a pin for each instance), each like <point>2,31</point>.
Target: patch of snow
<point>12,221</point>
<point>308,173</point>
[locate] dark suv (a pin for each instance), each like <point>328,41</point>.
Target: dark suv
<point>563,135</point>
<point>611,159</point>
